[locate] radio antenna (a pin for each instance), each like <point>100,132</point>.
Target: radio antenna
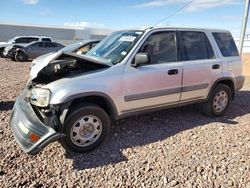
<point>173,14</point>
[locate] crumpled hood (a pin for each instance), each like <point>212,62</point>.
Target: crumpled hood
<point>41,62</point>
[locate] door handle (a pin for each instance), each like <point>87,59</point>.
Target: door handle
<point>173,72</point>
<point>216,66</point>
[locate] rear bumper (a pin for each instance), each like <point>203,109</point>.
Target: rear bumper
<point>239,82</point>
<point>24,122</point>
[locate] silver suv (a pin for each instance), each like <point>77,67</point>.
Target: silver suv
<point>73,98</point>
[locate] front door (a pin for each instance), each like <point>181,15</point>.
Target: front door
<point>157,83</point>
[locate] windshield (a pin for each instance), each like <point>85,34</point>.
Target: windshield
<point>10,41</point>
<point>116,46</point>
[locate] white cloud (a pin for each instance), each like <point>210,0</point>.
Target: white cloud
<point>83,24</point>
<point>195,5</point>
<point>30,2</point>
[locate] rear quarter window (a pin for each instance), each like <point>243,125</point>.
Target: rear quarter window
<point>226,44</point>
<point>46,39</point>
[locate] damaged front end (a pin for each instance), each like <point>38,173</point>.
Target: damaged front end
<point>31,133</point>
<point>34,121</point>
<point>63,64</point>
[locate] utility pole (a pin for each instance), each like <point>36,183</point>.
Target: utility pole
<point>244,26</point>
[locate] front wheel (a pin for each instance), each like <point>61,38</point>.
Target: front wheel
<point>218,102</point>
<point>1,53</point>
<point>21,56</point>
<point>86,126</point>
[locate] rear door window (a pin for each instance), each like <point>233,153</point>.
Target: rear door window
<point>49,45</point>
<point>195,45</point>
<point>226,44</point>
<point>32,39</point>
<point>37,45</point>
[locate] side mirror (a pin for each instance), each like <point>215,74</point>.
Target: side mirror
<point>140,59</point>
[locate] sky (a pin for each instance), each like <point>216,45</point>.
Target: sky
<point>121,14</point>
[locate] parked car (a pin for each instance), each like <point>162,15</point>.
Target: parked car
<point>20,40</point>
<point>74,98</point>
<point>32,50</point>
<point>79,48</point>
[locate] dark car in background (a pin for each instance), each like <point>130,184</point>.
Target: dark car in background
<point>32,50</point>
<point>80,48</point>
<point>5,46</point>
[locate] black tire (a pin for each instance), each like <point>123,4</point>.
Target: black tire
<point>210,108</point>
<point>1,53</point>
<point>21,56</point>
<point>13,59</point>
<point>73,116</point>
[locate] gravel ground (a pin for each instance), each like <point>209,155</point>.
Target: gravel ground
<point>171,148</point>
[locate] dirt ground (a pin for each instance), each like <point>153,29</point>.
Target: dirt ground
<point>171,148</point>
<point>246,65</point>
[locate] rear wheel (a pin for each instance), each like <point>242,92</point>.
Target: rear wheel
<point>21,56</point>
<point>86,126</point>
<point>218,102</point>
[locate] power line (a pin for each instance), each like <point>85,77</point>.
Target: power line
<point>173,14</point>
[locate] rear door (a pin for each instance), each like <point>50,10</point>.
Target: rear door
<point>200,65</point>
<point>158,83</point>
<point>50,47</point>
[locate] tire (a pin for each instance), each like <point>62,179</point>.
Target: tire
<point>86,127</point>
<point>1,53</point>
<point>13,59</point>
<point>21,56</point>
<point>218,102</point>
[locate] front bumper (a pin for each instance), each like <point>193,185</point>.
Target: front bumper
<point>11,53</point>
<point>5,52</point>
<point>24,122</point>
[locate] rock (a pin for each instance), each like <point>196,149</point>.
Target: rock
<point>173,183</point>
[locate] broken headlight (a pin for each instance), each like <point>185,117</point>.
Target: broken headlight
<point>40,97</point>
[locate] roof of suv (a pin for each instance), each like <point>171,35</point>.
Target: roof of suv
<point>33,36</point>
<point>184,28</point>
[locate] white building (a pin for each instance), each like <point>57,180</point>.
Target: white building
<point>63,35</point>
<point>246,44</point>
